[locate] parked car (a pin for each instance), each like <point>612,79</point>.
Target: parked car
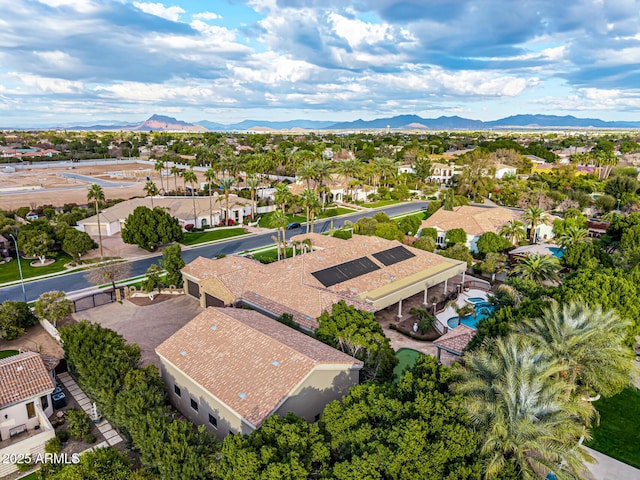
<point>293,225</point>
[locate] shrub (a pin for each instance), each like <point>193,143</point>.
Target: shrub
<point>343,234</point>
<point>189,226</point>
<point>63,435</point>
<point>79,423</point>
<point>90,438</point>
<point>54,445</point>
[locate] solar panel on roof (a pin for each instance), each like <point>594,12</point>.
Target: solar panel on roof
<point>345,271</point>
<point>393,255</point>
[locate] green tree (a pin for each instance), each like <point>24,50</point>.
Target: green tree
<point>190,177</point>
<point>172,262</point>
<point>77,243</point>
<point>490,242</point>
<point>158,167</point>
<point>587,342</point>
<point>150,228</point>
<point>357,333</point>
<point>410,225</point>
<point>14,318</point>
<point>539,268</point>
<point>38,244</point>
<point>97,195</point>
<point>109,272</point>
<point>53,306</point>
<point>513,231</point>
<point>535,217</point>
<point>390,231</point>
<point>226,184</point>
<point>310,201</point>
<point>279,221</point>
<point>572,235</point>
<point>620,185</point>
<point>515,396</point>
<point>151,190</point>
<point>99,464</point>
<point>282,196</point>
<point>153,279</point>
<point>605,203</point>
<point>253,183</point>
<point>79,423</point>
<point>458,252</point>
<point>429,232</point>
<point>425,243</point>
<point>454,236</point>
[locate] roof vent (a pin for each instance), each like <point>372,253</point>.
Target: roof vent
<point>214,327</point>
<point>256,295</point>
<point>392,278</point>
<point>275,363</point>
<point>288,267</point>
<point>307,317</point>
<point>242,395</point>
<point>183,353</point>
<point>19,368</point>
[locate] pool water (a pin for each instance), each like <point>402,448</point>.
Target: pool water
<point>476,300</point>
<point>557,251</point>
<point>483,310</point>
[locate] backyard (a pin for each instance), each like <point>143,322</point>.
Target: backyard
<point>196,238</point>
<point>617,434</point>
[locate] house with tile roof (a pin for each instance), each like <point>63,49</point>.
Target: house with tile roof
<point>370,273</point>
<point>229,369</point>
<point>26,386</point>
<point>112,219</point>
<point>454,341</point>
<point>476,220</point>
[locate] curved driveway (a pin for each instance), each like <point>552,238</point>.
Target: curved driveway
<point>76,281</point>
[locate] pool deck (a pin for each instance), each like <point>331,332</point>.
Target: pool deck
<point>449,312</point>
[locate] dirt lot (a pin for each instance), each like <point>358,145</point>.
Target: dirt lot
<point>35,339</point>
<point>148,325</point>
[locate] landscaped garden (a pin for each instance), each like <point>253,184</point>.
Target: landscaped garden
<point>9,271</point>
<point>195,238</point>
<point>8,353</point>
<point>271,255</point>
<point>618,431</point>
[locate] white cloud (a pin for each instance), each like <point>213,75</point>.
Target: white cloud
<point>82,6</point>
<point>357,32</point>
<point>38,84</point>
<point>206,16</point>
<point>159,10</point>
<point>57,59</point>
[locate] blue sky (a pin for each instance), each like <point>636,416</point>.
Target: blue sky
<point>82,61</point>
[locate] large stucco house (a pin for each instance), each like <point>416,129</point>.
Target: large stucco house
<point>229,369</point>
<point>26,385</point>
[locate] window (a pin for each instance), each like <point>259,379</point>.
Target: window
<point>194,404</point>
<point>31,410</point>
<point>177,390</point>
<point>44,401</point>
<point>213,421</point>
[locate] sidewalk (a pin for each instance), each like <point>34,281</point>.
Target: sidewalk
<point>607,468</point>
<point>112,437</point>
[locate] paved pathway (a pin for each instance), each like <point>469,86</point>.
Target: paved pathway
<point>607,468</point>
<point>111,436</point>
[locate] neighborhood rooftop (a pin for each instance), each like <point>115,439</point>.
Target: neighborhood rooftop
<point>23,376</point>
<point>475,220</point>
<point>249,361</point>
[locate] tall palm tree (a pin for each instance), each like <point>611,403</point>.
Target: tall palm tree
<point>386,168</point>
<point>310,201</point>
<point>513,231</point>
<point>535,216</point>
<point>175,171</point>
<point>349,169</point>
<point>539,268</point>
<point>282,196</point>
<point>587,342</point>
<point>97,194</point>
<point>573,234</point>
<point>306,173</point>
<point>515,396</point>
<point>190,177</point>
<point>158,167</point>
<point>226,184</point>
<point>279,221</point>
<point>151,190</point>
<point>253,183</point>
<point>210,176</point>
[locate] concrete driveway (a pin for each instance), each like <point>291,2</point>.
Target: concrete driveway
<point>148,326</point>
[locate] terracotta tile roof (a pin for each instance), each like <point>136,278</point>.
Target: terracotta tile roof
<point>473,219</point>
<point>455,341</point>
<point>23,376</point>
<point>232,351</point>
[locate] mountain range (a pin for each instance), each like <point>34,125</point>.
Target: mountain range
<point>157,123</point>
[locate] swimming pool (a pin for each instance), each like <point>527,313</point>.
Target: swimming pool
<point>557,251</point>
<point>476,300</point>
<point>482,310</point>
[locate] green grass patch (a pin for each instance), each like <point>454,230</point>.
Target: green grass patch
<point>265,220</point>
<point>9,271</point>
<point>8,353</point>
<point>334,212</point>
<point>31,476</point>
<point>407,357</point>
<point>271,255</point>
<point>617,433</point>
<point>196,238</point>
<point>381,203</point>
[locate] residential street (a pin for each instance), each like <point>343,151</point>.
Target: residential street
<point>76,281</point>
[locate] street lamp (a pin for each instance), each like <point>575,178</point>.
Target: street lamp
<point>15,242</point>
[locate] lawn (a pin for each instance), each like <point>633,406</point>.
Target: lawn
<point>407,357</point>
<point>270,256</point>
<point>31,476</point>
<point>328,213</point>
<point>380,203</point>
<point>196,238</point>
<point>8,353</point>
<point>9,271</point>
<point>265,220</point>
<point>617,433</point>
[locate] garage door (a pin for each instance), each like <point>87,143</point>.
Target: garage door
<point>193,289</point>
<point>211,301</point>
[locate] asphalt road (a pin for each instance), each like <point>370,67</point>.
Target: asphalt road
<point>76,281</point>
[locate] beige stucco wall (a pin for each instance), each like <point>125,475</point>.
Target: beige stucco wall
<point>15,415</point>
<point>325,384</point>
<point>228,420</point>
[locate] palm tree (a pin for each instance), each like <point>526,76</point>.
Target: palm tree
<point>226,184</point>
<point>253,183</point>
<point>175,171</point>
<point>349,169</point>
<point>282,196</point>
<point>386,168</point>
<point>306,173</point>
<point>515,397</point>
<point>190,177</point>
<point>309,200</point>
<point>539,268</point>
<point>513,231</point>
<point>586,341</point>
<point>158,167</point>
<point>97,194</point>
<point>210,175</point>
<point>151,190</point>
<point>279,221</point>
<point>535,216</point>
<point>573,234</point>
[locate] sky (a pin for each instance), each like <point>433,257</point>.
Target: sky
<point>65,62</point>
